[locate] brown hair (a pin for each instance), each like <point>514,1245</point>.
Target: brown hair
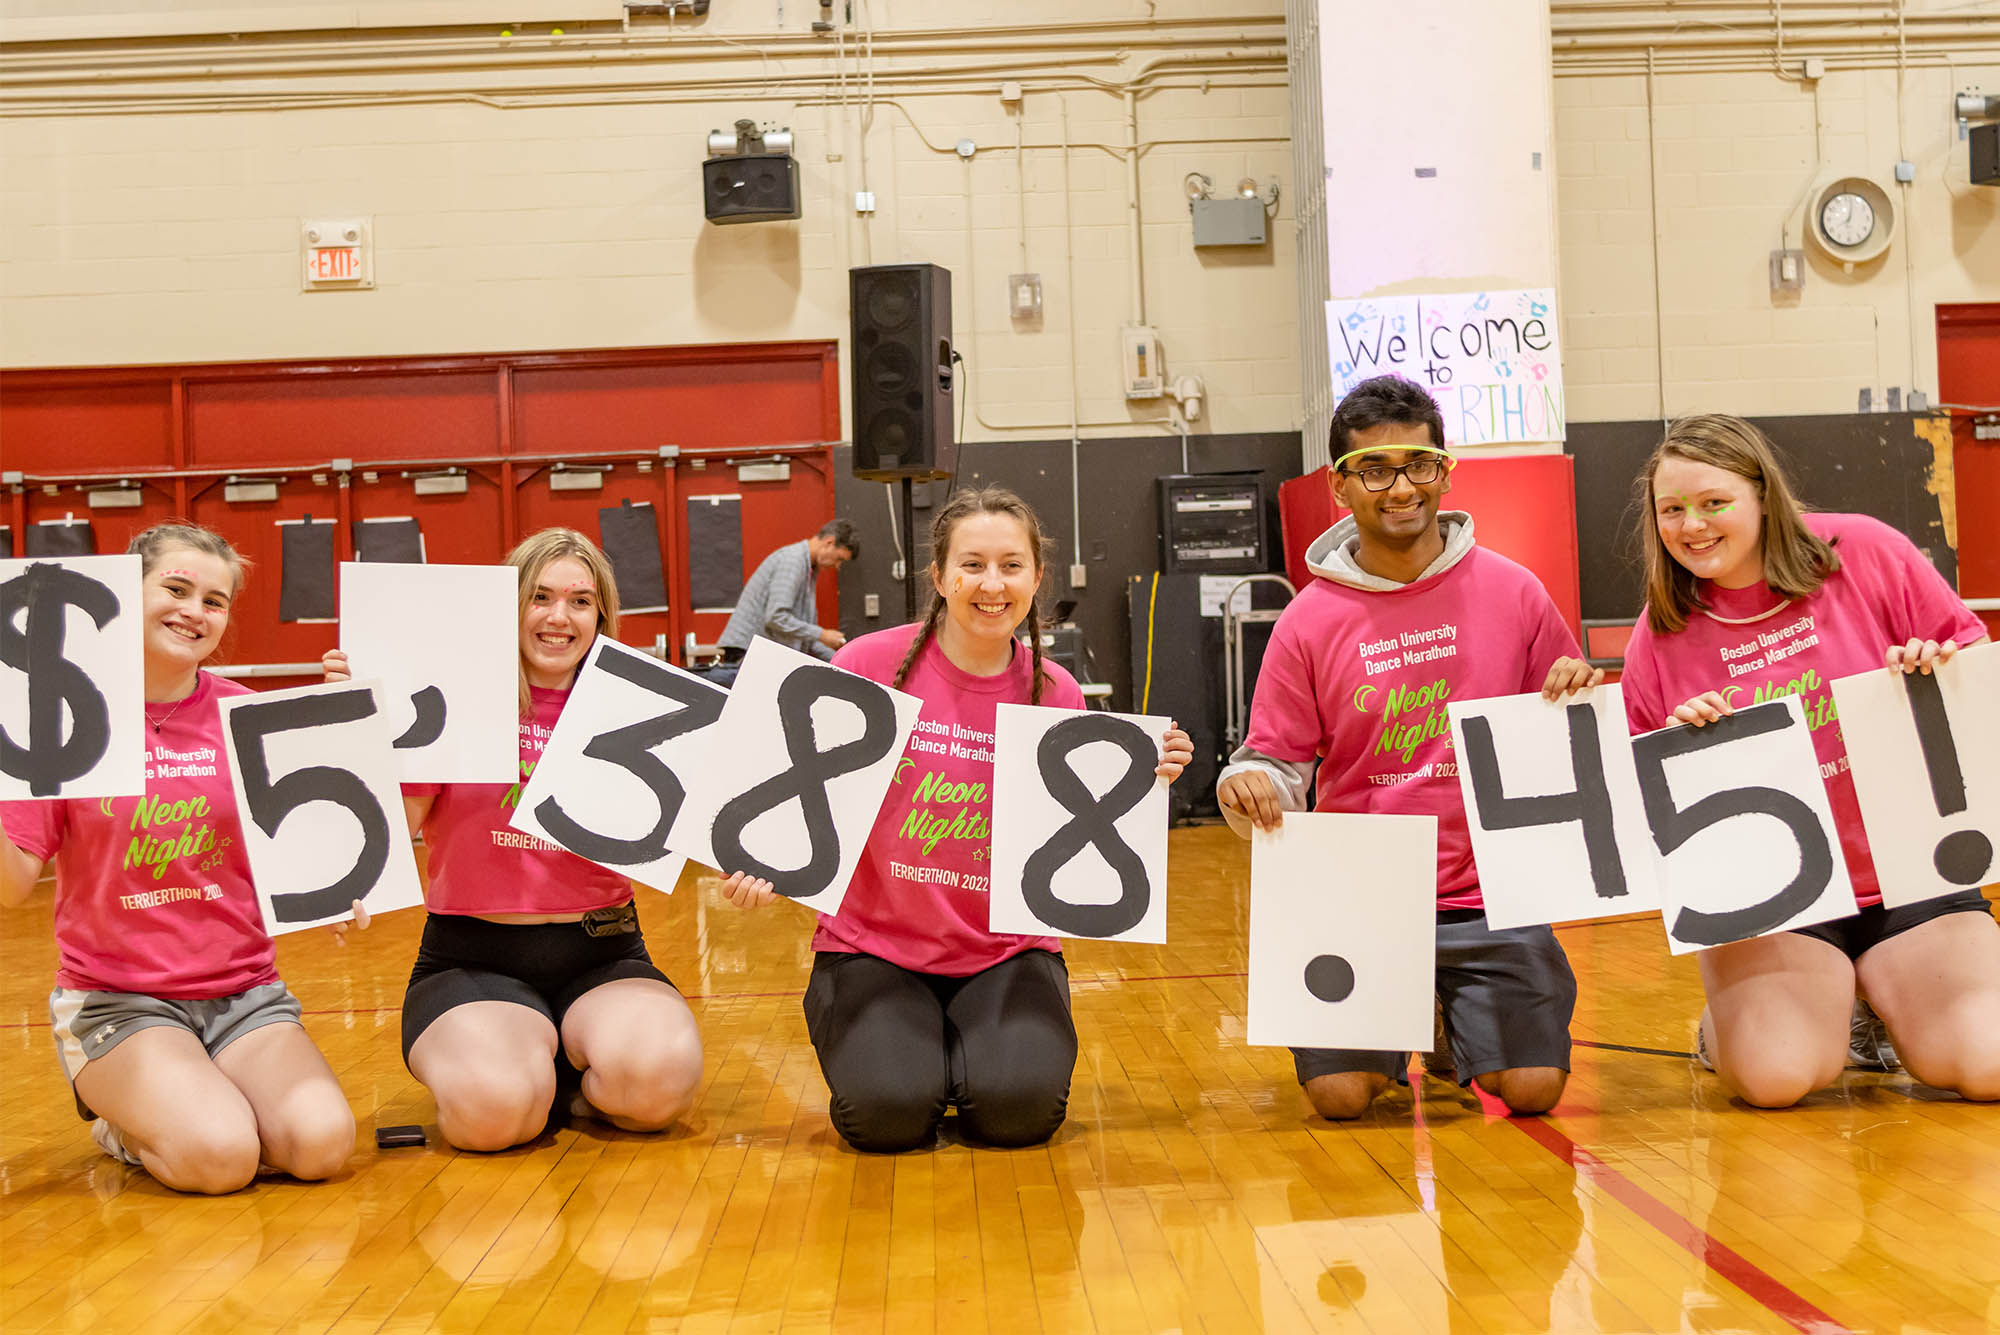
<point>535,553</point>
<point>1796,560</point>
<point>963,505</point>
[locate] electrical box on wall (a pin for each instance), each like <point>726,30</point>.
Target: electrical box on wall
<point>1228,222</point>
<point>1140,362</point>
<point>336,254</point>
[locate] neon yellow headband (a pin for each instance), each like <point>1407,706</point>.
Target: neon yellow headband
<point>1441,452</point>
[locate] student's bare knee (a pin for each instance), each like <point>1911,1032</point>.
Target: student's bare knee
<point>648,1088</point>
<point>315,1142</point>
<point>1972,1072</point>
<point>1526,1090</point>
<point>1777,1081</point>
<point>206,1160</point>
<point>487,1111</point>
<point>1344,1095</point>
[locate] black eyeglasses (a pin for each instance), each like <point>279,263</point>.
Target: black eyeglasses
<point>1421,471</point>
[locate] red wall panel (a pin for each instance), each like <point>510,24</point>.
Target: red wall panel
<point>541,507</point>
<point>1969,372</point>
<point>111,529</point>
<point>254,422</point>
<point>774,514</point>
<point>47,427</point>
<point>257,636</point>
<point>503,419</point>
<point>695,399</point>
<point>462,529</point>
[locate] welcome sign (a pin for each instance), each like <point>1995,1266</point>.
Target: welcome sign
<point>1491,359</point>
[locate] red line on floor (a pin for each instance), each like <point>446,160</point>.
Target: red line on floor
<point>1718,1256</point>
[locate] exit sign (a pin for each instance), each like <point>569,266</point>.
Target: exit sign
<point>338,254</point>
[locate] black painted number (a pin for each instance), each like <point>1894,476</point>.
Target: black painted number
<point>270,802</point>
<point>631,749</point>
<point>1588,804</point>
<point>1093,823</point>
<point>1673,825</point>
<point>805,780</point>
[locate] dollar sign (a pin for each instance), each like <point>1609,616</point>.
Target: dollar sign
<point>40,599</point>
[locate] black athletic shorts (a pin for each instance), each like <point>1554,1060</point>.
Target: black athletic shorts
<point>1508,996</point>
<point>1858,935</point>
<point>544,966</point>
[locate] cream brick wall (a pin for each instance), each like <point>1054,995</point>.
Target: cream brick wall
<point>541,192</point>
<point>562,208</point>
<point>1732,155</point>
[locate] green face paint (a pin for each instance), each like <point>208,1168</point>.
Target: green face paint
<point>1683,502</point>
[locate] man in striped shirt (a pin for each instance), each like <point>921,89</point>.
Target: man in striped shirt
<point>778,600</point>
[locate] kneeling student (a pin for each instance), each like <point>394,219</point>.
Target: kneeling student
<point>1407,603</point>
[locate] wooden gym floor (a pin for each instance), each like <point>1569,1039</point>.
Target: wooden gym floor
<point>1190,1189</point>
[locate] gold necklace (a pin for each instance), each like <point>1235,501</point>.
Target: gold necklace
<point>161,721</point>
<point>1745,621</point>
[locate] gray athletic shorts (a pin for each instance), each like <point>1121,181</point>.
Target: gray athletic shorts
<point>89,1024</point>
<point>1508,996</point>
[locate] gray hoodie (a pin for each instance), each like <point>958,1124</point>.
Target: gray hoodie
<point>1331,556</point>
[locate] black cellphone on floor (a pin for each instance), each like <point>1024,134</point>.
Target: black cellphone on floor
<point>392,1137</point>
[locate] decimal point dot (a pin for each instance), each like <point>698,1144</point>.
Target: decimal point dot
<point>1330,978</point>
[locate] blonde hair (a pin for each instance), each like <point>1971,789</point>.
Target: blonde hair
<point>963,505</point>
<point>1796,560</point>
<point>152,543</point>
<point>535,553</point>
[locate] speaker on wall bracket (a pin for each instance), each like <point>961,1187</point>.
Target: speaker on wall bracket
<point>900,372</point>
<point>751,187</point>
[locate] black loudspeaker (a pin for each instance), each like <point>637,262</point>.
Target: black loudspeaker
<point>751,187</point>
<point>900,320</point>
<point>1984,163</point>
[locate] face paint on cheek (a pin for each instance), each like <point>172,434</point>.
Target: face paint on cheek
<point>957,583</point>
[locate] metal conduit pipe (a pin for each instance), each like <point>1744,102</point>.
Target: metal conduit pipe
<point>1636,64</point>
<point>249,44</point>
<point>182,61</point>
<point>1749,28</point>
<point>750,85</point>
<point>1233,70</point>
<point>1132,222</point>
<point>1876,35</point>
<point>647,97</point>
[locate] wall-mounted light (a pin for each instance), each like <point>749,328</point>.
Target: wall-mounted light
<point>747,137</point>
<point>1235,220</point>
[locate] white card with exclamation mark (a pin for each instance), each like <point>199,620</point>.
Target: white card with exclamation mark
<point>1925,754</point>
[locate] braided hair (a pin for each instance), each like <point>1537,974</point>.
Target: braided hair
<point>962,505</point>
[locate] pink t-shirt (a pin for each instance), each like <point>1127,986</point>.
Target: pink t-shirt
<point>1884,593</point>
<point>479,864</point>
<point>153,893</point>
<point>919,896</point>
<point>1360,678</point>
